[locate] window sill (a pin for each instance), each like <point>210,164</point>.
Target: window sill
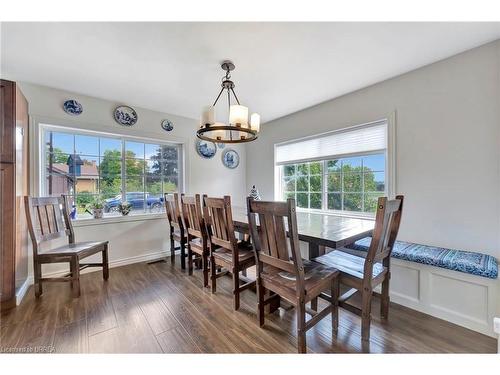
<point>351,214</point>
<point>117,219</point>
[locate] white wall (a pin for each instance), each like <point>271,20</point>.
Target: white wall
<point>135,239</point>
<point>447,146</point>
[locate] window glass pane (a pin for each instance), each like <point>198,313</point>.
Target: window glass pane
<point>302,184</point>
<point>134,149</point>
<point>134,167</point>
<point>315,183</point>
<point>154,186</point>
<point>83,202</point>
<point>288,195</point>
<point>353,202</point>
<point>374,162</point>
<point>170,184</point>
<point>58,163</point>
<point>87,145</point>
<point>57,184</point>
<point>110,184</point>
<point>316,168</point>
<point>136,200</point>
<point>303,169</point>
<point>334,201</point>
<point>371,202</point>
<point>134,184</point>
<point>352,182</point>
<point>351,164</point>
<point>316,199</point>
<point>110,166</point>
<point>374,181</point>
<point>153,151</point>
<point>302,200</point>
<point>111,202</point>
<point>169,168</point>
<point>87,184</point>
<point>334,182</point>
<point>111,147</point>
<point>289,184</point>
<point>333,165</point>
<point>169,152</point>
<point>289,170</point>
<point>61,142</point>
<point>87,165</point>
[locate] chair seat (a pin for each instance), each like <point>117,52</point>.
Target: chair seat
<point>347,263</point>
<point>80,248</point>
<point>245,254</point>
<point>317,277</point>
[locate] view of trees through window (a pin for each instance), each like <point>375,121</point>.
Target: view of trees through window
<point>347,184</point>
<point>89,168</point>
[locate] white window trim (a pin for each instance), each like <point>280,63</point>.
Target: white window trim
<point>390,166</point>
<point>44,127</point>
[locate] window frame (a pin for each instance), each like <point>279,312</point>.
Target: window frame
<point>389,152</point>
<point>42,185</point>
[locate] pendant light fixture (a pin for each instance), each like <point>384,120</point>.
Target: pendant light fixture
<point>238,129</point>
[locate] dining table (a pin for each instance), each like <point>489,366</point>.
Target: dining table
<point>319,230</point>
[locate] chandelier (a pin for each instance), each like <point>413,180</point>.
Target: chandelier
<point>238,129</point>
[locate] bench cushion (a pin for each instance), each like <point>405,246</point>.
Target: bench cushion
<point>456,260</point>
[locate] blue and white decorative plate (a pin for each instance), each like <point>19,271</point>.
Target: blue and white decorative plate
<point>230,158</point>
<point>206,149</point>
<point>125,115</point>
<point>72,107</point>
<point>167,125</point>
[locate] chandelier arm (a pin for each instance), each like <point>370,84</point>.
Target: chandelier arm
<point>235,96</point>
<point>229,109</point>
<point>218,96</point>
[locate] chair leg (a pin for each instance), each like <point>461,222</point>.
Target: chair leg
<point>213,274</point>
<point>190,260</point>
<point>260,303</point>
<point>172,250</point>
<point>301,330</point>
<point>38,282</point>
<point>335,305</point>
<point>105,263</point>
<point>75,266</point>
<point>314,304</point>
<point>204,259</point>
<point>385,299</point>
<point>236,288</point>
<point>366,304</point>
<point>183,255</point>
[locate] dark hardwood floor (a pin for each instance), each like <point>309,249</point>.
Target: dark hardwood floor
<point>159,308</point>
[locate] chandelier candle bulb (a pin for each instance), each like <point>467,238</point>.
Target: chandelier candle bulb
<point>238,114</point>
<point>255,122</point>
<point>208,115</point>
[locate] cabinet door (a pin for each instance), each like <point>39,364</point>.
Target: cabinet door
<point>7,121</point>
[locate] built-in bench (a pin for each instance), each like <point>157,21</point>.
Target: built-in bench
<point>457,260</point>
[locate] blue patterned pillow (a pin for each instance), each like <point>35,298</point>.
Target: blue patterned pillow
<point>456,260</point>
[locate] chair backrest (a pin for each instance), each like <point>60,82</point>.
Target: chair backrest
<point>219,222</point>
<point>193,217</point>
<point>47,219</point>
<point>275,237</point>
<point>386,229</point>
<point>173,212</point>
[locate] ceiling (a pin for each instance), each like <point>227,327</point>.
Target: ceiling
<point>175,67</point>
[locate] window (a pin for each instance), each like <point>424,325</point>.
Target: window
<point>343,171</point>
<point>89,167</point>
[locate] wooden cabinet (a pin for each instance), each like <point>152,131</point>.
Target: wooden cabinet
<point>13,186</point>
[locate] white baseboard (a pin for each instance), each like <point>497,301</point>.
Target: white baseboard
<point>115,263</point>
<point>21,292</point>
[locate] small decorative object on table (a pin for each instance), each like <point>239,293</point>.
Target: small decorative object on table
<point>206,149</point>
<point>124,208</point>
<point>167,125</point>
<point>72,107</point>
<point>125,115</point>
<point>97,207</point>
<point>254,193</point>
<point>230,158</point>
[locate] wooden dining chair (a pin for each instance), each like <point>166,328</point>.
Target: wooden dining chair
<point>364,274</point>
<point>177,230</point>
<point>281,269</point>
<point>197,238</point>
<point>225,250</point>
<point>48,219</point>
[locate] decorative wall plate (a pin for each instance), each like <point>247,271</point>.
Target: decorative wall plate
<point>125,115</point>
<point>205,149</point>
<point>230,158</point>
<point>221,145</point>
<point>72,107</point>
<point>167,125</point>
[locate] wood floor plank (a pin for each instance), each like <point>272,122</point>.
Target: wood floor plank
<point>72,338</point>
<point>177,340</point>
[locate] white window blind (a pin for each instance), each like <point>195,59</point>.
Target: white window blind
<point>355,140</point>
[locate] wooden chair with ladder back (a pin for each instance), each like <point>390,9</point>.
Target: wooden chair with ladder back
<point>281,269</point>
<point>197,238</point>
<point>363,274</point>
<point>225,250</point>
<point>48,219</point>
<point>177,230</point>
